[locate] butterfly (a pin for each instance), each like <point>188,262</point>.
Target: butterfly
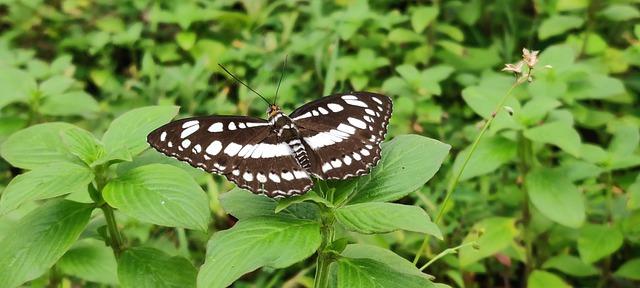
<point>335,137</point>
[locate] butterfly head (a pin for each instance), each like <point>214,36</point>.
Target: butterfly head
<point>273,110</point>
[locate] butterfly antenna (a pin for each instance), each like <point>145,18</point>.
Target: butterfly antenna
<point>281,76</point>
<point>245,85</point>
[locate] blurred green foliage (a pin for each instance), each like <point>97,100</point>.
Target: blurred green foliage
<point>554,188</point>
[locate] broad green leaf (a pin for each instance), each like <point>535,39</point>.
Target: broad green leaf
<point>386,256</point>
<point>252,243</point>
<point>83,144</point>
<point>570,265</point>
<point>598,86</point>
<point>629,269</point>
<point>186,39</point>
<point>622,147</point>
<point>376,217</point>
<point>620,12</point>
<point>422,16</point>
<point>118,155</point>
<point>37,145</point>
<point>243,204</point>
<point>483,100</point>
<point>491,153</point>
<point>557,133</point>
<point>408,161</point>
<point>593,153</point>
<point>150,267</point>
<point>535,109</point>
<point>598,241</point>
<point>365,272</point>
<point>130,129</point>
<point>91,260</point>
<point>498,234</point>
<point>558,24</point>
<point>403,36</point>
<point>543,279</point>
<point>16,86</point>
<point>39,239</point>
<point>161,194</point>
<point>45,182</point>
<point>70,103</point>
<point>555,196</point>
<point>55,85</point>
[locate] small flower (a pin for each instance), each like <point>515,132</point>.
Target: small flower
<point>517,68</point>
<point>531,57</point>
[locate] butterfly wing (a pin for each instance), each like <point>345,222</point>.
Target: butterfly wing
<point>243,149</point>
<point>343,132</point>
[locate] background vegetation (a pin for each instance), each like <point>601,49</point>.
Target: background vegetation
<point>549,198</point>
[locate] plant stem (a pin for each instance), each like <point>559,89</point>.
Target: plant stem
<point>324,259</point>
<point>115,239</point>
<point>454,180</point>
<point>526,157</point>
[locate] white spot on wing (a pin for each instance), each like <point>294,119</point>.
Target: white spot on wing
<point>357,122</point>
<point>287,176</point>
<point>274,177</point>
<point>346,160</point>
<point>356,103</point>
<point>235,172</point>
<point>377,100</point>
<point>242,125</point>
<point>190,129</point>
<point>232,149</point>
<point>370,112</point>
<point>163,136</point>
<point>305,115</point>
<point>254,124</point>
<point>336,163</point>
<point>197,149</point>
<point>186,143</point>
<point>314,113</point>
<point>215,127</point>
<point>214,148</point>
<point>356,156</point>
<point>261,177</point>
<point>335,107</point>
<point>170,144</point>
<point>300,174</point>
<point>365,152</point>
<point>323,111</point>
<point>245,151</point>
<point>190,123</point>
<point>349,97</point>
<point>232,126</point>
<point>247,176</point>
<point>326,167</point>
<point>346,128</point>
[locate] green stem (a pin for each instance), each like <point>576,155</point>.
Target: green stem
<point>526,162</point>
<point>115,239</point>
<point>324,259</point>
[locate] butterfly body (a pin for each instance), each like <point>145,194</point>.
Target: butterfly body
<point>334,137</point>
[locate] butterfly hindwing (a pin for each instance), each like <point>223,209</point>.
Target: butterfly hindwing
<point>245,150</point>
<point>344,132</point>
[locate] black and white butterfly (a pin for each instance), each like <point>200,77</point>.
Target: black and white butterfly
<point>335,137</point>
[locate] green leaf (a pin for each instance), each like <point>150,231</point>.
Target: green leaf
<point>252,243</point>
<point>543,279</point>
<point>39,239</point>
<point>55,85</point>
<point>45,146</point>
<point>130,130</point>
<point>365,272</point>
<point>490,154</point>
<point>623,145</point>
<point>499,233</point>
<point>83,144</point>
<point>558,24</point>
<point>186,39</point>
<point>536,109</point>
<point>422,16</point>
<point>408,161</point>
<point>70,103</point>
<point>557,133</point>
<point>403,36</point>
<point>16,86</point>
<point>555,196</point>
<point>620,12</point>
<point>570,265</point>
<point>598,241</point>
<point>629,269</point>
<point>45,182</point>
<point>386,256</point>
<point>91,260</point>
<point>150,267</point>
<point>375,217</point>
<point>243,204</point>
<point>161,194</point>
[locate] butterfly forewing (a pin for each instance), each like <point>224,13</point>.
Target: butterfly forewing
<point>245,150</point>
<point>344,132</point>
